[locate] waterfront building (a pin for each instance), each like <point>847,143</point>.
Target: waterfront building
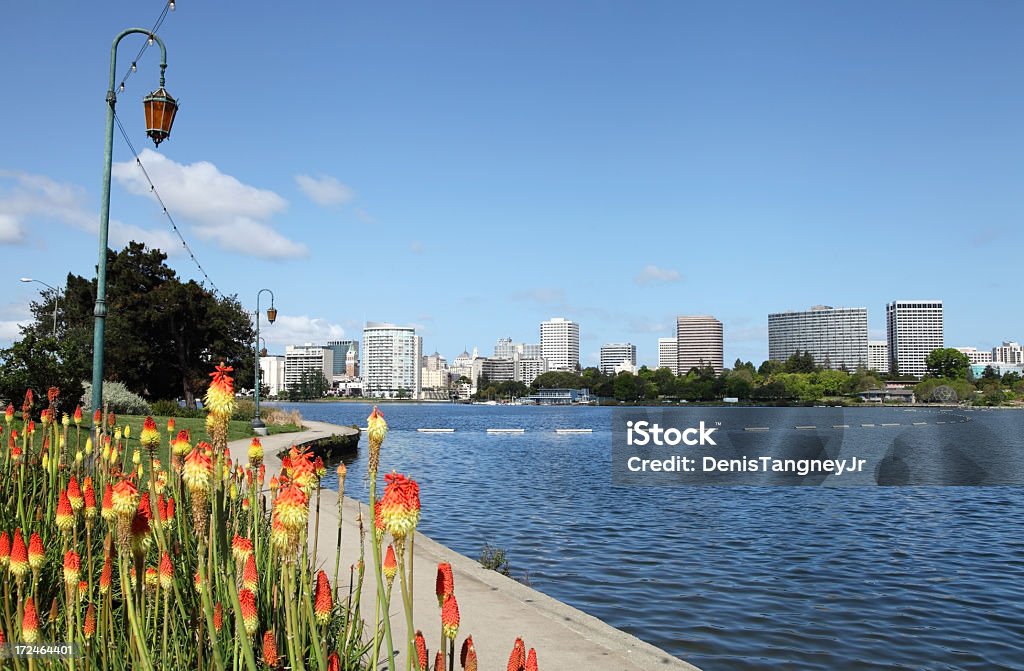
<point>340,350</point>
<point>878,356</point>
<point>435,373</point>
<point>667,354</point>
<point>391,361</point>
<point>560,344</point>
<point>976,356</point>
<point>835,337</point>
<point>1009,353</point>
<point>615,353</point>
<point>498,370</point>
<point>299,360</point>
<point>560,396</point>
<point>1000,369</point>
<point>698,343</point>
<point>914,330</point>
<point>506,349</point>
<point>271,375</point>
<point>529,369</point>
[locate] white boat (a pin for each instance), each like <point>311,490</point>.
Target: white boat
<point>436,430</point>
<point>506,430</point>
<point>574,430</point>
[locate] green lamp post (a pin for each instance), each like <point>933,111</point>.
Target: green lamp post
<point>160,110</point>
<point>257,424</point>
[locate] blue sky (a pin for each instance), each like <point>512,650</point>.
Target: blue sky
<point>476,167</point>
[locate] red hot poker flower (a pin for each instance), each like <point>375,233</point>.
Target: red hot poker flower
<point>421,652</point>
<point>444,585</point>
<point>400,505</point>
<point>105,575</point>
<point>390,568</point>
<point>89,626</point>
<point>450,618</point>
<point>269,648</point>
<point>531,660</point>
<point>78,416</point>
<point>517,660</point>
<point>250,616</point>
<point>36,554</point>
<point>150,437</point>
<point>5,549</point>
<point>30,622</point>
<point>218,617</point>
<point>72,568</point>
<point>467,658</point>
<point>250,578</point>
<point>322,596</point>
<point>65,516</point>
<point>166,571</point>
<point>19,555</point>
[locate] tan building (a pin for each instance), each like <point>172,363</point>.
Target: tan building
<point>698,343</point>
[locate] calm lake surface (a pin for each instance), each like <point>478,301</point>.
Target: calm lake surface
<point>729,578</point>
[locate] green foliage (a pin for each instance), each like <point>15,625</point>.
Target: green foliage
<point>116,399</point>
<point>312,384</point>
<point>170,408</point>
<point>948,362</point>
<point>245,410</point>
<point>495,559</point>
<point>800,363</point>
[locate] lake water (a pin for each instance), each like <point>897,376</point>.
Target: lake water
<point>731,578</point>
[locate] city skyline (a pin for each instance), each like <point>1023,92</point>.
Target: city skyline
<point>757,141</point>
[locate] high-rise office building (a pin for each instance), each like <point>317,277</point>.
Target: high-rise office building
<point>668,357</point>
<point>391,363</point>
<point>299,360</point>
<point>272,373</point>
<point>613,354</point>
<point>835,337</point>
<point>698,343</point>
<point>914,330</point>
<point>1009,352</point>
<point>341,348</point>
<point>560,343</point>
<point>878,356</point>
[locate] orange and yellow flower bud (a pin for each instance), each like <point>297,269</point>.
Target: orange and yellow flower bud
<point>89,625</point>
<point>72,568</point>
<point>517,660</point>
<point>450,618</point>
<point>180,445</point>
<point>218,617</point>
<point>19,556</point>
<point>421,652</point>
<point>250,577</point>
<point>333,661</point>
<point>400,505</point>
<point>255,451</point>
<point>444,584</point>
<point>36,554</point>
<point>269,648</point>
<point>107,506</point>
<point>150,436</point>
<point>106,574</point>
<point>220,396</point>
<point>467,658</point>
<point>531,660</point>
<point>291,508</point>
<point>30,623</point>
<point>166,571</point>
<point>241,548</point>
<point>124,499</point>
<point>250,616</point>
<point>280,537</point>
<point>376,429</point>
<point>170,425</point>
<point>65,516</point>
<point>75,494</point>
<point>198,472</point>
<point>78,415</point>
<point>323,603</point>
<point>9,413</point>
<point>5,549</point>
<point>390,568</point>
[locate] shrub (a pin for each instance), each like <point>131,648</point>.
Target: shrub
<point>116,399</point>
<point>171,408</point>
<point>495,559</point>
<point>245,410</point>
<point>279,417</point>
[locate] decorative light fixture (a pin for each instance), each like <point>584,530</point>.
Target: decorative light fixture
<point>160,110</point>
<point>271,314</point>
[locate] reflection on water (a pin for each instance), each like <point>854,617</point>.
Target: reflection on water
<point>731,578</point>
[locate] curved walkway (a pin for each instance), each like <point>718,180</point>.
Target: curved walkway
<point>493,608</point>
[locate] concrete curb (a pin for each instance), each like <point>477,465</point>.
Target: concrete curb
<point>494,609</point>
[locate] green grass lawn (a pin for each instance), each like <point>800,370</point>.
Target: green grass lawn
<point>237,429</point>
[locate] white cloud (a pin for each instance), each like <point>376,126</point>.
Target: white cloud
<point>33,197</point>
<point>299,329</point>
<point>11,230</point>
<point>652,274</point>
<point>221,208</point>
<point>325,190</point>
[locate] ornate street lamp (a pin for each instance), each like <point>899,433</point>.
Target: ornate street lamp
<point>257,424</point>
<point>160,109</point>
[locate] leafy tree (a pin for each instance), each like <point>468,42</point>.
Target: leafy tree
<point>800,363</point>
<point>312,384</point>
<point>770,367</point>
<point>948,363</point>
<point>558,379</point>
<point>162,335</point>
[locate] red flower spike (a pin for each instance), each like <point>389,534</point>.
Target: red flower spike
<point>322,598</point>
<point>390,569</point>
<point>333,662</point>
<point>468,654</point>
<point>531,660</point>
<point>444,584</point>
<point>450,618</point>
<point>105,575</point>
<point>78,416</point>
<point>400,504</point>
<point>150,436</point>
<point>421,652</point>
<point>9,414</point>
<point>89,626</point>
<point>269,648</point>
<point>170,425</point>
<point>241,548</point>
<point>250,616</point>
<point>19,555</point>
<point>89,500</point>
<point>97,417</point>
<point>30,623</point>
<point>72,568</point>
<point>517,660</point>
<point>111,419</point>
<point>166,571</point>
<point>438,662</point>
<point>36,554</point>
<point>250,578</point>
<point>5,549</point>
<point>218,617</point>
<point>65,516</point>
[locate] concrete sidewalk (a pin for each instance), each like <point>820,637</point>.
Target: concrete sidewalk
<point>494,609</point>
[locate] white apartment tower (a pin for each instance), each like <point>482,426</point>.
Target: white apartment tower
<point>914,330</point>
<point>698,343</point>
<point>668,357</point>
<point>878,356</point>
<point>1009,352</point>
<point>614,354</point>
<point>835,337</point>
<point>560,344</point>
<point>391,360</point>
<point>299,359</point>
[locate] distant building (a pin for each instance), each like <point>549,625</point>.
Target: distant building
<point>462,366</point>
<point>1008,352</point>
<point>835,337</point>
<point>529,369</point>
<point>999,369</point>
<point>560,344</point>
<point>615,353</point>
<point>976,356</point>
<point>299,360</point>
<point>272,374</point>
<point>391,360</point>
<point>498,370</point>
<point>668,357</point>
<point>435,374</point>
<point>698,343</point>
<point>878,356</point>
<point>914,330</point>
<point>340,350</point>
